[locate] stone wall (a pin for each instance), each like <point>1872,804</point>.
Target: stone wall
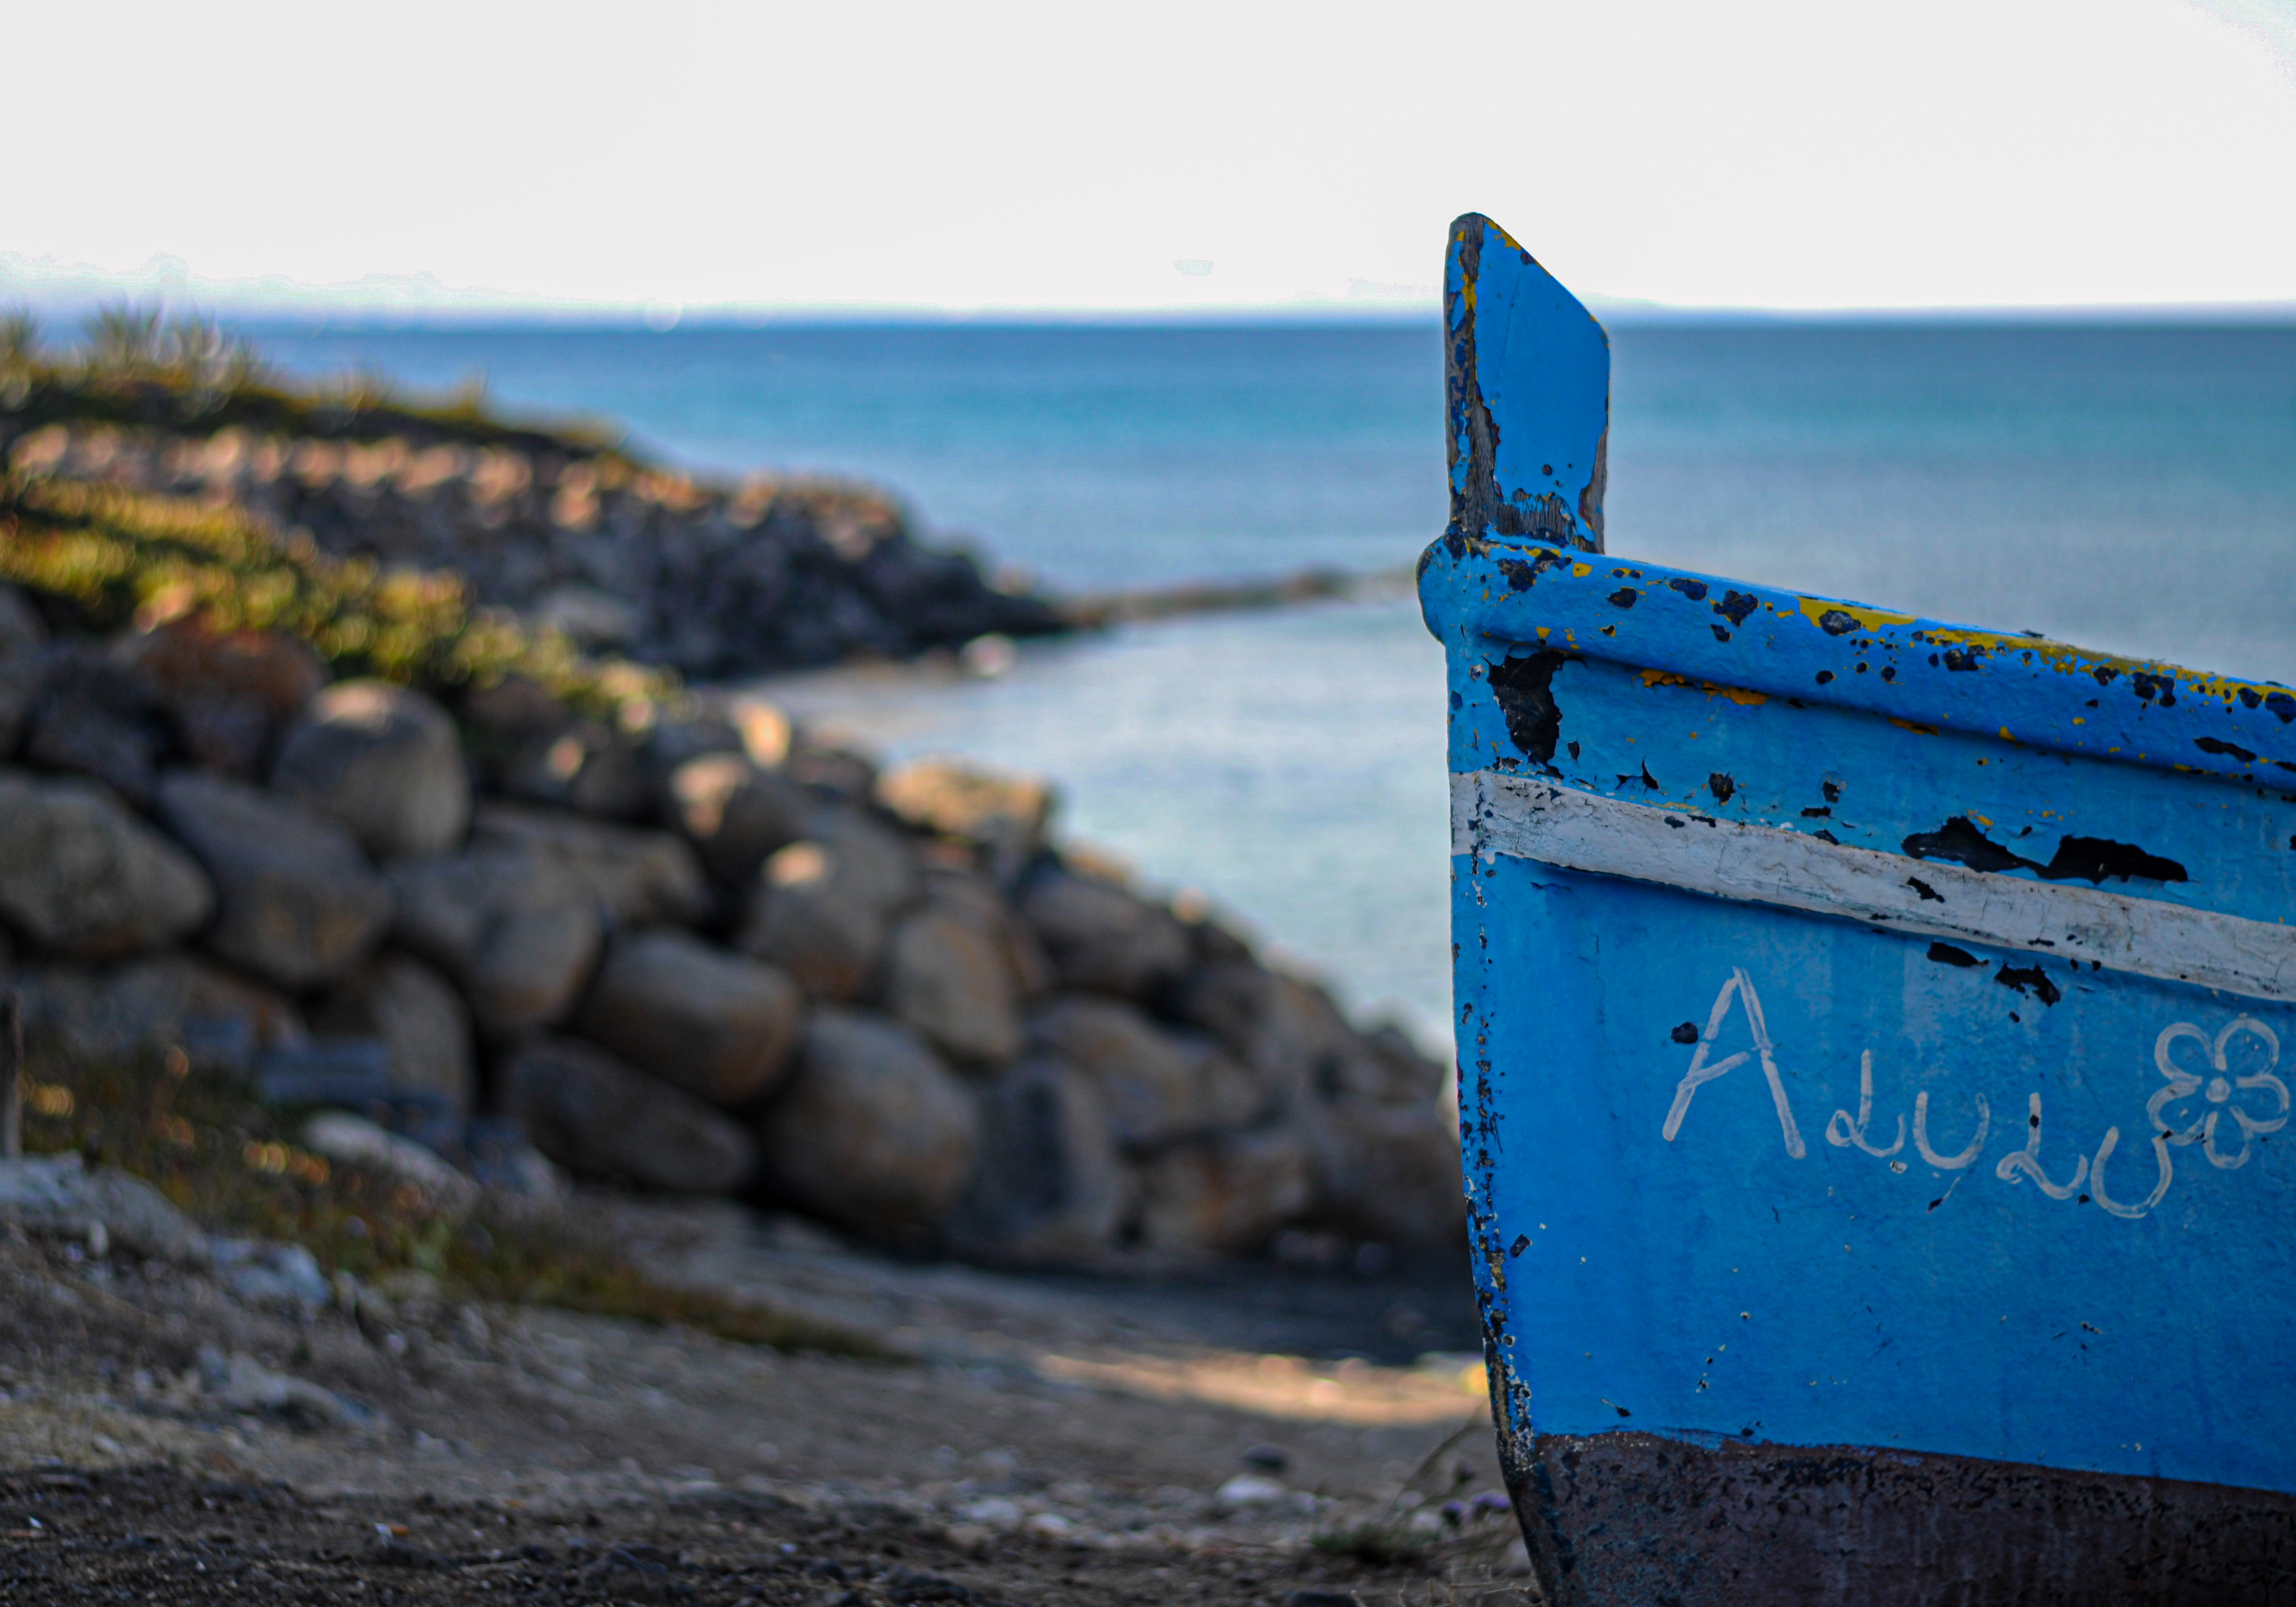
<point>682,950</point>
<point>714,580</point>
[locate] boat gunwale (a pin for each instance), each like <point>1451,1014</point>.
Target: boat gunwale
<point>1687,626</point>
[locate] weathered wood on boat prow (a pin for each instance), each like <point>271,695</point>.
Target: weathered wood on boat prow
<point>1869,1037</point>
<point>1527,387</point>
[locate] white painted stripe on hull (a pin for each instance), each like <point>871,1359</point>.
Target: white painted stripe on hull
<point>1531,818</point>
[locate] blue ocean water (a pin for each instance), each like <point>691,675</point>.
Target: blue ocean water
<point>2130,488</point>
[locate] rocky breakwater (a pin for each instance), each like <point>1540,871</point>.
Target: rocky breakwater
<point>715,580</point>
<point>682,950</point>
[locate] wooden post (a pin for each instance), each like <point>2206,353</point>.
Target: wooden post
<point>12,1077</point>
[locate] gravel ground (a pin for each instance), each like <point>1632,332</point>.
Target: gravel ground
<point>1244,1438</point>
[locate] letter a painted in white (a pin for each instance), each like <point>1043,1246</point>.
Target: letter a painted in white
<point>1741,986</point>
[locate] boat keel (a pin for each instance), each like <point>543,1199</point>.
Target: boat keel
<point>1627,1519</point>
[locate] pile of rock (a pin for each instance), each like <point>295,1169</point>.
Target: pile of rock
<point>713,580</point>
<point>687,951</point>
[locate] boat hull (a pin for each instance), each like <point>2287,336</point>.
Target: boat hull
<point>1837,1071</point>
<point>1869,1040</point>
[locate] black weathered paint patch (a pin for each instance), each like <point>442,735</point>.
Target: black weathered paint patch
<point>1833,622</point>
<point>1687,1033</point>
<point>1524,688</point>
<point>1946,954</point>
<point>1964,659</point>
<point>1721,633</point>
<point>1695,590</point>
<point>1626,596</point>
<point>1735,606</point>
<point>2281,706</point>
<point>2151,688</point>
<point>1474,492</point>
<point>1523,573</point>
<point>1929,894</point>
<point>1960,841</point>
<point>1833,790</point>
<point>1816,812</point>
<point>2096,858</point>
<point>1823,676</point>
<point>2217,745</point>
<point>1542,518</point>
<point>1721,786</point>
<point>1521,1242</point>
<point>2023,977</point>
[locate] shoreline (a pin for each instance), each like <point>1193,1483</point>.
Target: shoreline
<point>1095,610</point>
<point>1332,854</point>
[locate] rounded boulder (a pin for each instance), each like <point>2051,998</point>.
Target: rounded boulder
<point>410,1008</point>
<point>947,977</point>
<point>515,929</point>
<point>1050,1188</point>
<point>383,760</point>
<point>599,1117</point>
<point>1104,938</point>
<point>873,1132</point>
<point>296,901</point>
<point>82,876</point>
<point>721,1026</point>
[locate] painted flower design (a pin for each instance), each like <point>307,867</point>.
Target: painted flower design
<point>2221,1092</point>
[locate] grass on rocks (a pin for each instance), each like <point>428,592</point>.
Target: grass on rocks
<point>118,557</point>
<point>221,1155</point>
<point>137,367</point>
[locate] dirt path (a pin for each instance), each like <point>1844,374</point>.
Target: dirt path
<point>1051,1441</point>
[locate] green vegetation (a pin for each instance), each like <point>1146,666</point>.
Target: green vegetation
<point>118,555</point>
<point>206,1142</point>
<point>138,367</point>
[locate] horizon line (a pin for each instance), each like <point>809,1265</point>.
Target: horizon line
<point>311,319</point>
<point>303,310</point>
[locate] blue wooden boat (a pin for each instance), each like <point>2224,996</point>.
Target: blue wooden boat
<point>1874,1039</point>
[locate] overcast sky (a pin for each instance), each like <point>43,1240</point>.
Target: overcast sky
<point>1845,153</point>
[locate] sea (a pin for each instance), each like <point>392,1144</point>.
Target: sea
<point>2126,485</point>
